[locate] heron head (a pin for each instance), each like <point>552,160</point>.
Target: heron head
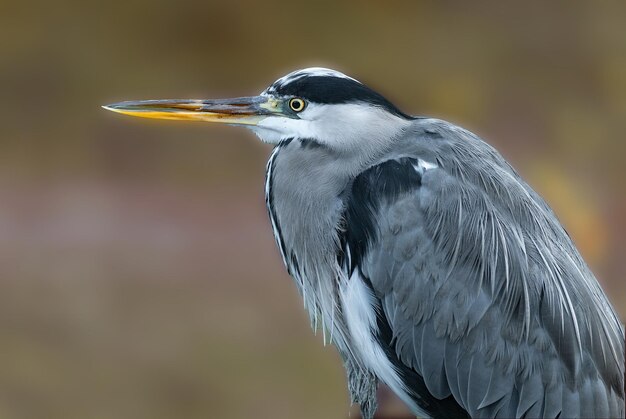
<point>315,103</point>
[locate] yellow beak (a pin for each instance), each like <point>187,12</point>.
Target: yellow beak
<point>237,111</point>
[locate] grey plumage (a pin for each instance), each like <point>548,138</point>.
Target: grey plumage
<point>495,274</point>
<point>424,257</point>
<point>487,297</point>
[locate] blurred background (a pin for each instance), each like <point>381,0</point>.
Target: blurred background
<point>138,274</point>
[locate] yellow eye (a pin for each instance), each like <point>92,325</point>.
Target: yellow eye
<point>297,104</point>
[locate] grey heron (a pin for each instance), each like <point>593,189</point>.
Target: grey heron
<point>423,256</point>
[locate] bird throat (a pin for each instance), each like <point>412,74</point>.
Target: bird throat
<point>303,197</point>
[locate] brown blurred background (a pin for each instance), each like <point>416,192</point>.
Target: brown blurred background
<point>139,277</point>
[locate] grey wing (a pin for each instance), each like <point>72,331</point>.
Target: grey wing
<point>484,302</point>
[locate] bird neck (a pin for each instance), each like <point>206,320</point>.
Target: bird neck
<point>304,189</point>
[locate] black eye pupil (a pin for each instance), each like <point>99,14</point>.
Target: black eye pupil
<point>297,104</point>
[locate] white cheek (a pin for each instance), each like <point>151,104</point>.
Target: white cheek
<point>274,129</point>
<point>342,126</point>
<point>346,126</point>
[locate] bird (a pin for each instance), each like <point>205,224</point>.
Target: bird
<point>423,256</point>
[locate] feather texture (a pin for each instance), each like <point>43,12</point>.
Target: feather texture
<point>478,267</point>
<point>485,307</point>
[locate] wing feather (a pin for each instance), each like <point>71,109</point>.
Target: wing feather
<point>486,296</point>
<point>601,401</point>
<point>434,372</point>
<point>553,400</point>
<point>531,397</point>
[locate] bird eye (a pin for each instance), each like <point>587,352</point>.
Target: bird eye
<point>297,105</point>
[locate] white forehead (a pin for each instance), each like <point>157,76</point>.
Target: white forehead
<point>308,72</point>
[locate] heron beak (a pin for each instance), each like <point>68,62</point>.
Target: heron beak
<point>237,111</point>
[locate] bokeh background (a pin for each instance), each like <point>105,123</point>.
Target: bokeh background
<point>138,274</point>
